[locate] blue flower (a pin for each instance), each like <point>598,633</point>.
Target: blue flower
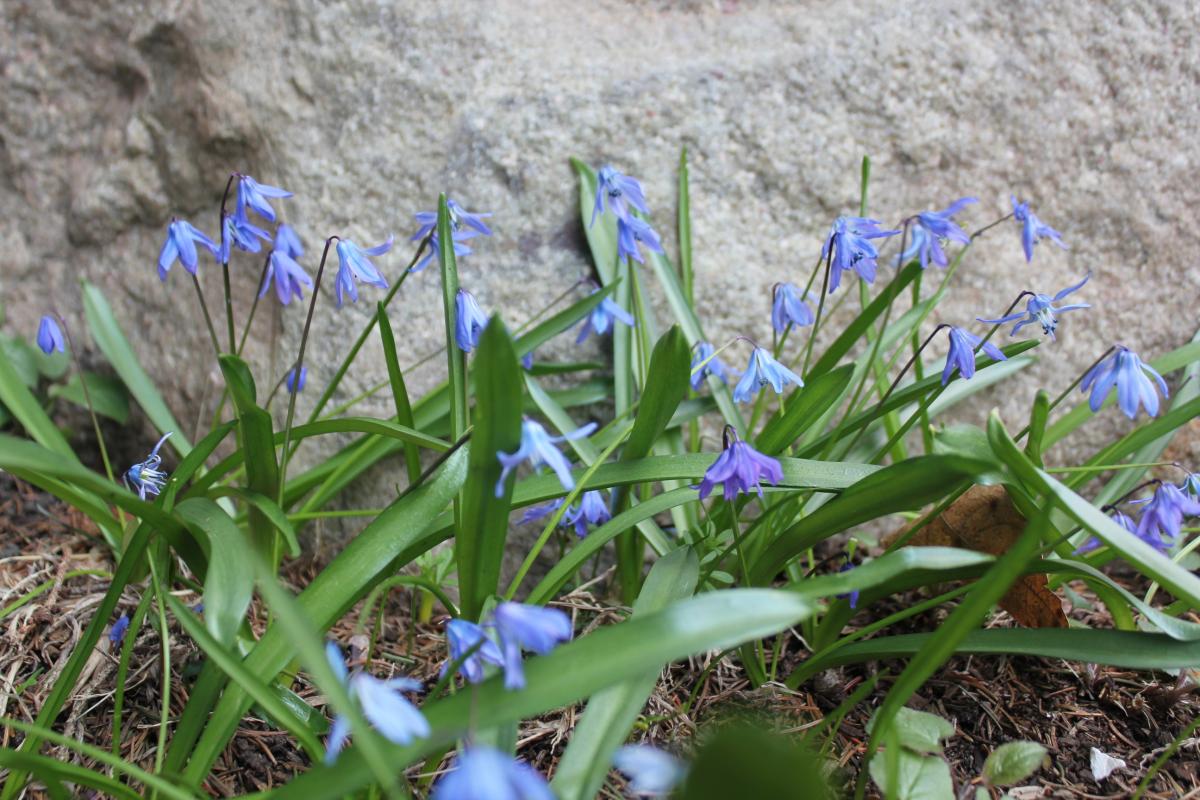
<point>537,447</point>
<point>381,702</point>
<point>463,225</point>
<point>789,308</point>
<point>287,241</point>
<point>1129,374</point>
<point>1116,516</point>
<point>482,773</point>
<point>180,245</point>
<point>521,626</point>
<point>527,360</point>
<point>460,249</point>
<point>962,354</point>
<point>252,194</point>
<point>1162,518</point>
<point>354,266</point>
<point>146,477</point>
<point>49,336</point>
<point>291,379</point>
<point>652,772</point>
<point>287,275</point>
<point>592,511</point>
<point>1033,229</point>
<point>631,232</point>
<point>739,469</point>
<point>763,370</point>
<point>1041,309</point>
<point>536,513</point>
<point>238,231</point>
<point>116,634</point>
<point>852,596</point>
<point>615,192</point>
<point>704,363</point>
<point>849,240</point>
<point>463,637</point>
<point>1191,485</point>
<point>931,229</point>
<point>602,318</point>
<point>469,321</point>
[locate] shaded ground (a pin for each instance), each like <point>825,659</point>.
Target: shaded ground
<point>49,549</point>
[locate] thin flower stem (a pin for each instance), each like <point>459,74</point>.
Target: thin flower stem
<point>164,636</point>
<point>1177,558</point>
<point>225,262</point>
<point>87,396</point>
<point>254,306</point>
<point>212,332</point>
<point>990,225</point>
<point>812,336</point>
<point>1066,392</point>
<point>643,334</point>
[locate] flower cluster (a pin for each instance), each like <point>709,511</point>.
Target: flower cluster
<point>1162,516</point>
<point>517,627</point>
<point>592,511</point>
<point>464,225</point>
<point>620,195</point>
<point>382,702</point>
<point>930,230</point>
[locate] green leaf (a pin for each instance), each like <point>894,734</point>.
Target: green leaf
<point>456,359</point>
<point>1038,416</point>
<point>268,508</point>
<point>21,403</point>
<point>258,445</point>
<point>804,409</point>
<point>229,580</point>
<point>919,731</point>
<point>1013,762</point>
<point>404,413</point>
<point>751,761</point>
<point>856,330</point>
<point>109,398</point>
<point>917,778</point>
<point>116,348</point>
<point>54,772</point>
<point>21,356</point>
<point>686,273</point>
<point>545,331</point>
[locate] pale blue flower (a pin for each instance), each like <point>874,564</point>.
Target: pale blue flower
<point>460,248</point>
<point>1191,485</point>
<point>634,231</point>
<point>850,242</point>
<point>381,703</point>
<point>483,773</point>
<point>1033,229</point>
<point>761,371</point>
<point>652,772</point>
<point>602,319</point>
<point>1131,376</point>
<point>289,277</point>
<point>592,511</point>
<point>1116,516</point>
<point>287,241</point>
<point>789,308</point>
<point>180,244</point>
<point>1041,309</point>
<point>704,363</point>
<point>469,321</point>
<point>49,336</point>
<point>527,627</point>
<point>463,637</point>
<point>537,447</point>
<point>527,360</point>
<point>116,634</point>
<point>962,354</point>
<point>852,596</point>
<point>253,195</point>
<point>615,193</point>
<point>739,469</point>
<point>355,267</point>
<point>464,225</point>
<point>1162,518</point>
<point>146,477</point>
<point>931,229</point>
<point>291,380</point>
<point>238,231</point>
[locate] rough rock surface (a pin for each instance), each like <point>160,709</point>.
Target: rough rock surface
<point>117,115</point>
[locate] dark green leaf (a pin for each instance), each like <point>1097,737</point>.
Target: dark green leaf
<point>229,580</point>
<point>109,398</point>
<point>404,413</point>
<point>803,409</point>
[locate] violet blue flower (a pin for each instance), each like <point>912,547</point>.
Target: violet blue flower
<point>253,195</point>
<point>631,232</point>
<point>739,469</point>
<point>592,511</point>
<point>1033,229</point>
<point>537,447</point>
<point>238,231</point>
<point>1041,309</point>
<point>287,241</point>
<point>180,244</point>
<point>1129,374</point>
<point>463,225</point>
<point>849,241</point>
<point>1191,485</point>
<point>146,477</point>
<point>962,354</point>
<point>469,321</point>
<point>1162,518</point>
<point>535,513</point>
<point>463,637</point>
<point>930,230</point>
<point>116,634</point>
<point>521,626</point>
<point>1116,516</point>
<point>460,248</point>
<point>789,308</point>
<point>527,361</point>
<point>852,596</point>
<point>49,336</point>
<point>291,380</point>
<point>615,193</point>
<point>762,370</point>
<point>381,702</point>
<point>704,363</point>
<point>287,275</point>
<point>602,319</point>
<point>483,773</point>
<point>652,772</point>
<point>354,267</point>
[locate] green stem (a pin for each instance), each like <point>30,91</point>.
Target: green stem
<point>212,332</point>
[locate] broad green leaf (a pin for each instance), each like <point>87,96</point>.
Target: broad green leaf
<point>267,507</point>
<point>918,778</point>
<point>21,403</point>
<point>404,413</point>
<point>21,356</point>
<point>108,396</point>
<point>456,360</point>
<point>1013,762</point>
<point>805,408</point>
<point>229,579</point>
<point>257,443</point>
<point>856,330</point>
<point>919,731</point>
<point>751,761</point>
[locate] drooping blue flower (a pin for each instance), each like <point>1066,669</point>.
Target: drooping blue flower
<point>762,370</point>
<point>962,354</point>
<point>850,242</point>
<point>180,244</point>
<point>634,231</point>
<point>592,511</point>
<point>1041,309</point>
<point>704,363</point>
<point>239,232</point>
<point>1033,229</point>
<point>739,469</point>
<point>460,248</point>
<point>287,241</point>
<point>527,627</point>
<point>615,193</point>
<point>852,596</point>
<point>1191,485</point>
<point>287,275</point>
<point>291,379</point>
<point>116,634</point>
<point>652,772</point>
<point>1116,516</point>
<point>146,477</point>
<point>253,195</point>
<point>469,321</point>
<point>537,447</point>
<point>1128,373</point>
<point>483,773</point>
<point>602,318</point>
<point>1162,518</point>
<point>381,703</point>
<point>527,360</point>
<point>464,225</point>
<point>49,336</point>
<point>535,513</point>
<point>931,228</point>
<point>789,308</point>
<point>463,637</point>
<point>354,267</point>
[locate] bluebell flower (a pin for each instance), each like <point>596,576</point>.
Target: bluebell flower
<point>1162,518</point>
<point>852,596</point>
<point>602,318</point>
<point>291,379</point>
<point>762,370</point>
<point>182,238</point>
<point>49,336</point>
<point>1116,516</point>
<point>1129,374</point>
<point>704,363</point>
<point>527,627</point>
<point>931,228</point>
<point>460,248</point>
<point>287,241</point>
<point>463,637</point>
<point>354,267</point>
<point>739,469</point>
<point>527,360</point>
<point>463,225</point>
<point>146,477</point>
<point>537,447</point>
<point>469,321</point>
<point>535,513</point>
<point>615,193</point>
<point>381,703</point>
<point>116,634</point>
<point>789,308</point>
<point>850,242</point>
<point>238,231</point>
<point>1041,309</point>
<point>652,772</point>
<point>252,194</point>
<point>634,231</point>
<point>962,354</point>
<point>1191,485</point>
<point>483,773</point>
<point>592,511</point>
<point>287,275</point>
<point>1033,229</point>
